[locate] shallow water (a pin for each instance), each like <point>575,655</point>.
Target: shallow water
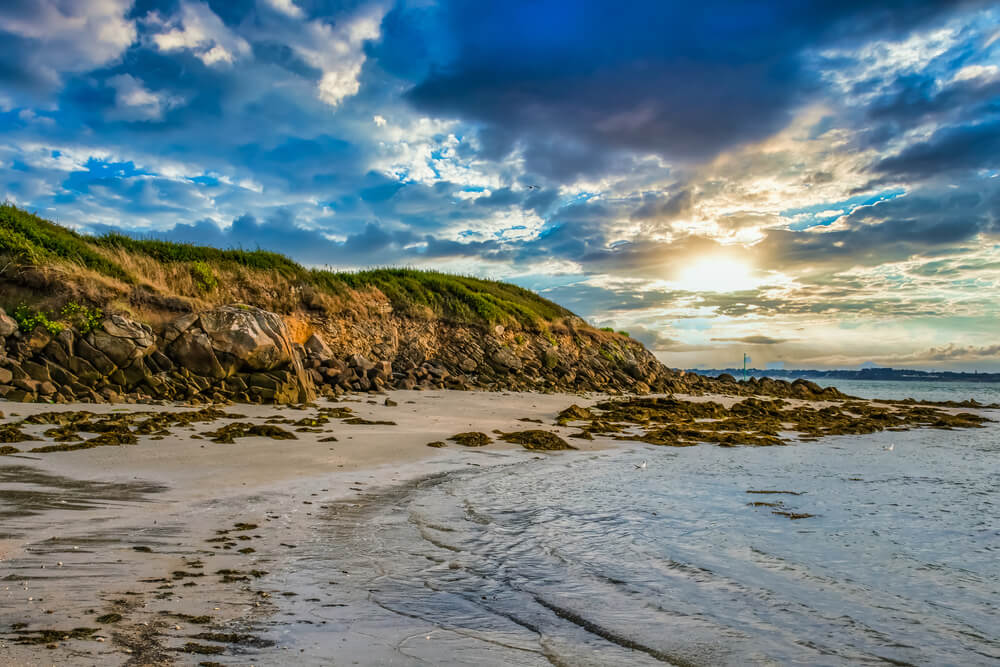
<point>584,559</point>
<point>983,392</point>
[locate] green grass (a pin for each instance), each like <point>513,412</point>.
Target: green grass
<point>30,240</point>
<point>460,298</point>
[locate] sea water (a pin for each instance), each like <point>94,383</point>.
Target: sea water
<point>584,559</point>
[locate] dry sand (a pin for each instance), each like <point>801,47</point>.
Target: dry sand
<point>70,522</point>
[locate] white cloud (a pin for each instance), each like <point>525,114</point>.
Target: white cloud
<point>425,151</point>
<point>286,7</point>
<point>338,51</point>
<point>199,30</point>
<point>985,73</point>
<point>133,102</point>
<point>73,36</point>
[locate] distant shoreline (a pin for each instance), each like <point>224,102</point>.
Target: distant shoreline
<point>876,374</point>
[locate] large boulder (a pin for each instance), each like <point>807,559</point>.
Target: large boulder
<point>240,340</point>
<point>7,324</point>
<point>248,338</point>
<point>122,340</point>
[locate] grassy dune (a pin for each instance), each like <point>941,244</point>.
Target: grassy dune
<point>46,266</point>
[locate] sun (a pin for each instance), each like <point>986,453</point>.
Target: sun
<point>715,274</point>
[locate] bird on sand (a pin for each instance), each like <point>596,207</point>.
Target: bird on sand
<point>890,447</point>
<point>640,466</point>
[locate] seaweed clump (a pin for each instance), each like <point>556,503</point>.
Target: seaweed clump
<point>52,636</point>
<point>753,421</point>
<point>537,439</point>
<point>471,439</point>
<point>11,433</point>
<point>234,638</point>
<point>201,649</point>
<point>228,433</point>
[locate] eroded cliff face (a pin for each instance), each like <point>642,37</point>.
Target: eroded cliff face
<point>568,356</point>
<point>243,353</point>
<point>228,353</point>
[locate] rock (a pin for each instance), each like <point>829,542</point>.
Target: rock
<point>241,339</point>
<point>119,350</point>
<point>504,359</point>
<point>252,339</point>
<point>537,439</point>
<point>359,361</point>
<point>8,325</point>
<point>95,357</point>
<point>122,327</point>
<point>36,371</point>
<point>5,376</point>
<point>315,346</point>
<point>37,339</point>
<point>193,351</point>
<point>174,329</point>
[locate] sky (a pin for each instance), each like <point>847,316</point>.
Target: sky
<point>814,184</point>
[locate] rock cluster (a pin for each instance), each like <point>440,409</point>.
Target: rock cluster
<point>246,354</point>
<point>233,352</point>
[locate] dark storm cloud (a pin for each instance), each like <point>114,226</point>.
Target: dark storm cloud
<point>950,149</point>
<point>684,80</point>
<point>662,207</point>
<point>915,98</point>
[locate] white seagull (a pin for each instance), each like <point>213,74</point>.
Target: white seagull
<point>890,447</point>
<point>640,466</point>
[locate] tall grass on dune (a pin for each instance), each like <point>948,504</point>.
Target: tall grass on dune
<point>28,240</point>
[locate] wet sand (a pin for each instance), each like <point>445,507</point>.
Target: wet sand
<point>180,536</point>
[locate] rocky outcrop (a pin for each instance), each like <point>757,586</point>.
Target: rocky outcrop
<point>229,353</point>
<point>246,354</point>
<point>240,345</point>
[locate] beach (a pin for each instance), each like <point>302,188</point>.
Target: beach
<point>182,550</point>
<point>73,520</point>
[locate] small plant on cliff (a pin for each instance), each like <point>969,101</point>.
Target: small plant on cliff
<point>29,321</point>
<point>203,276</point>
<point>83,318</point>
<point>624,333</point>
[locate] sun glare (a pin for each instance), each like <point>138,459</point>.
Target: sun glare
<point>715,274</point>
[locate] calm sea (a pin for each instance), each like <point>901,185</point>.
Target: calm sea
<point>583,559</point>
<point>932,391</point>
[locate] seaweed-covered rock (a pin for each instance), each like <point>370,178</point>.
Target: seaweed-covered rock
<point>537,439</point>
<point>471,439</point>
<point>228,433</point>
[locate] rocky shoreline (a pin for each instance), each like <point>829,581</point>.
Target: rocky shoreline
<point>241,353</point>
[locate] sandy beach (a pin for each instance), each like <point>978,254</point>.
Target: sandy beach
<point>182,550</point>
<point>135,530</point>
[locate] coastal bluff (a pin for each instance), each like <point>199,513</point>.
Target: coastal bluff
<point>112,318</point>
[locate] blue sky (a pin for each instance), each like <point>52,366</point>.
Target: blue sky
<point>814,184</point>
